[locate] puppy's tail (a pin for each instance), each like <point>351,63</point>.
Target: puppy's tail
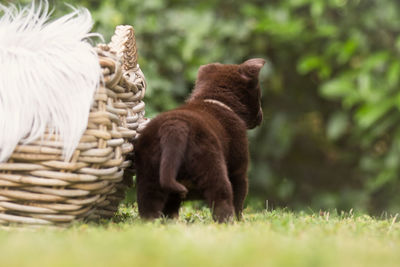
<point>173,141</point>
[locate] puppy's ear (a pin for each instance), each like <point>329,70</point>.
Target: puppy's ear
<point>207,69</point>
<point>250,69</point>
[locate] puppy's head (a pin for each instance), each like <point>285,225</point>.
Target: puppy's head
<point>238,85</point>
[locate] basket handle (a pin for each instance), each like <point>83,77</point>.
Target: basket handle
<point>123,43</point>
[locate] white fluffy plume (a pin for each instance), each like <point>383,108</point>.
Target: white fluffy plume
<point>48,76</point>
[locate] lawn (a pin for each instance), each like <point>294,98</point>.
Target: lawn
<point>267,238</point>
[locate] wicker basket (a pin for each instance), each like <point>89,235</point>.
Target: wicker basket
<point>38,187</point>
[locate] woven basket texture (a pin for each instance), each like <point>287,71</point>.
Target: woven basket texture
<point>38,187</point>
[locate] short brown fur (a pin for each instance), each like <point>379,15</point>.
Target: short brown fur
<point>200,150</point>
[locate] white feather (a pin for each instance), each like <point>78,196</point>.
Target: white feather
<point>48,76</point>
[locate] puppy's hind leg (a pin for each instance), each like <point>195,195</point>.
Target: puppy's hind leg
<point>151,204</point>
<point>172,205</point>
<point>150,197</point>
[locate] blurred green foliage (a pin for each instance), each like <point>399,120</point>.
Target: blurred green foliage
<point>331,135</point>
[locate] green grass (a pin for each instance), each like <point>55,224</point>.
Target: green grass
<point>269,238</point>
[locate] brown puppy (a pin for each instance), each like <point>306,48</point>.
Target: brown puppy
<point>200,150</point>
